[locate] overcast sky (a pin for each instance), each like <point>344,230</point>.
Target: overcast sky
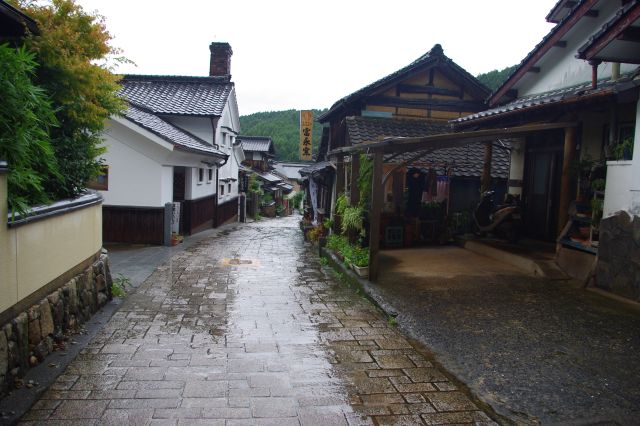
<point>308,54</point>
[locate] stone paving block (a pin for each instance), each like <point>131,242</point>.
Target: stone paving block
<point>205,389</point>
<point>133,417</point>
<point>273,407</point>
<point>77,409</point>
<point>279,342</point>
<point>450,401</point>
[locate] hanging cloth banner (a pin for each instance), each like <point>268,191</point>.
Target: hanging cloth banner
<point>313,193</point>
<point>306,137</point>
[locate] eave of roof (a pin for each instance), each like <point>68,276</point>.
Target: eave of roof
<point>610,33</point>
<point>19,17</point>
<point>569,95</point>
<point>541,48</point>
<point>433,57</point>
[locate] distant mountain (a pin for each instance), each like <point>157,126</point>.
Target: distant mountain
<point>493,79</point>
<point>284,129</point>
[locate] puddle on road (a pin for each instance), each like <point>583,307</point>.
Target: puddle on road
<point>234,261</point>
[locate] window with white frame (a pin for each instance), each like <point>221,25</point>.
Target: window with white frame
<point>224,139</point>
<point>222,189</point>
<point>229,187</point>
<point>200,175</point>
<point>209,175</point>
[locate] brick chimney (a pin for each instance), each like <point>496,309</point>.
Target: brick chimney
<point>220,64</point>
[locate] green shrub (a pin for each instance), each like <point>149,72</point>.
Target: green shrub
<point>341,204</point>
<point>26,116</point>
<point>351,219</point>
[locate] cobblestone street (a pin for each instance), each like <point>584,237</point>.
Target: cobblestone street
<point>247,328</point>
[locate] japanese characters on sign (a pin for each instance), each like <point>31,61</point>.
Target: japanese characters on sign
<point>306,129</point>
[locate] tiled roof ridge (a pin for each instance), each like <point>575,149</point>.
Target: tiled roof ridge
<point>253,137</point>
<point>225,79</point>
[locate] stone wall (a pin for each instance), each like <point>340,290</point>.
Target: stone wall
<point>618,269</point>
<point>26,340</point>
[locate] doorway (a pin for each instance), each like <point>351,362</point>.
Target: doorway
<point>543,170</point>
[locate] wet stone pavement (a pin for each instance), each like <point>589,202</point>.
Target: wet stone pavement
<point>246,328</point>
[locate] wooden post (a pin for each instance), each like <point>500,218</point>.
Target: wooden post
<point>354,196</point>
<point>339,175</point>
<point>374,216</point>
<point>570,141</point>
<point>485,182</point>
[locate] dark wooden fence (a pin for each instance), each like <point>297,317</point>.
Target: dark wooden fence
<point>199,214</point>
<point>227,211</point>
<point>139,225</point>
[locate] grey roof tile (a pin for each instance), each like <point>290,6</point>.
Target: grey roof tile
<point>257,143</point>
<point>467,161</point>
<point>177,95</point>
<point>167,131</point>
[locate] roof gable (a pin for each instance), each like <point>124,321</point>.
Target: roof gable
<point>432,59</point>
<point>181,139</point>
<point>178,95</point>
<point>571,23</point>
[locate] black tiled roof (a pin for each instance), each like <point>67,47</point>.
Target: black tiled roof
<point>315,167</point>
<point>371,129</point>
<point>435,56</point>
<point>172,134</point>
<point>178,95</point>
<point>257,143</point>
<point>567,94</point>
<point>466,161</point>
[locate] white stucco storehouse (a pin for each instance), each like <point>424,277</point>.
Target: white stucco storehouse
<point>176,143</point>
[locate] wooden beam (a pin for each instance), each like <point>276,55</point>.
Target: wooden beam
<point>630,34</point>
<point>450,140</point>
<point>570,142</point>
<point>439,104</point>
<point>377,191</point>
<point>485,181</point>
<point>354,196</point>
<point>414,88</point>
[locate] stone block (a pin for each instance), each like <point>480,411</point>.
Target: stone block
<point>4,356</point>
<point>35,334</point>
<point>22,331</point>
<point>46,319</point>
<point>101,283</point>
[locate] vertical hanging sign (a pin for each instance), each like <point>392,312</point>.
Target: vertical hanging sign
<point>306,129</point>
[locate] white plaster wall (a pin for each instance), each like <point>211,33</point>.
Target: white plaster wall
<point>202,127</point>
<point>166,187</point>
<point>616,193</point>
<point>634,196</point>
<point>197,190</point>
<point>141,167</point>
<point>560,68</point>
<point>135,179</point>
<point>229,124</point>
<point>516,169</point>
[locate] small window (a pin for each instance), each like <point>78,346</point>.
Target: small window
<point>209,175</point>
<point>224,139</point>
<point>222,189</point>
<point>200,175</point>
<point>229,188</point>
<point>101,182</point>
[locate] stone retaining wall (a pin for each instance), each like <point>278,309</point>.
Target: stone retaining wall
<point>618,269</point>
<point>26,340</point>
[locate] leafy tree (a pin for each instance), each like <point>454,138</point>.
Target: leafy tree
<point>493,79</point>
<point>25,119</point>
<point>72,49</point>
<point>284,128</point>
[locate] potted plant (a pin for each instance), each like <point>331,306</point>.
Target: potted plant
<point>360,262</point>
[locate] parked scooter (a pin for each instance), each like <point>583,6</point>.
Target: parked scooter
<point>504,220</point>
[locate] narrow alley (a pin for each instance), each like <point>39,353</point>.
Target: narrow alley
<point>248,328</point>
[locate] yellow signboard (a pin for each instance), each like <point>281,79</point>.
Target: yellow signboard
<point>306,129</point>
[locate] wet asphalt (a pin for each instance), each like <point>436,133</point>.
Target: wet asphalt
<point>538,351</point>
